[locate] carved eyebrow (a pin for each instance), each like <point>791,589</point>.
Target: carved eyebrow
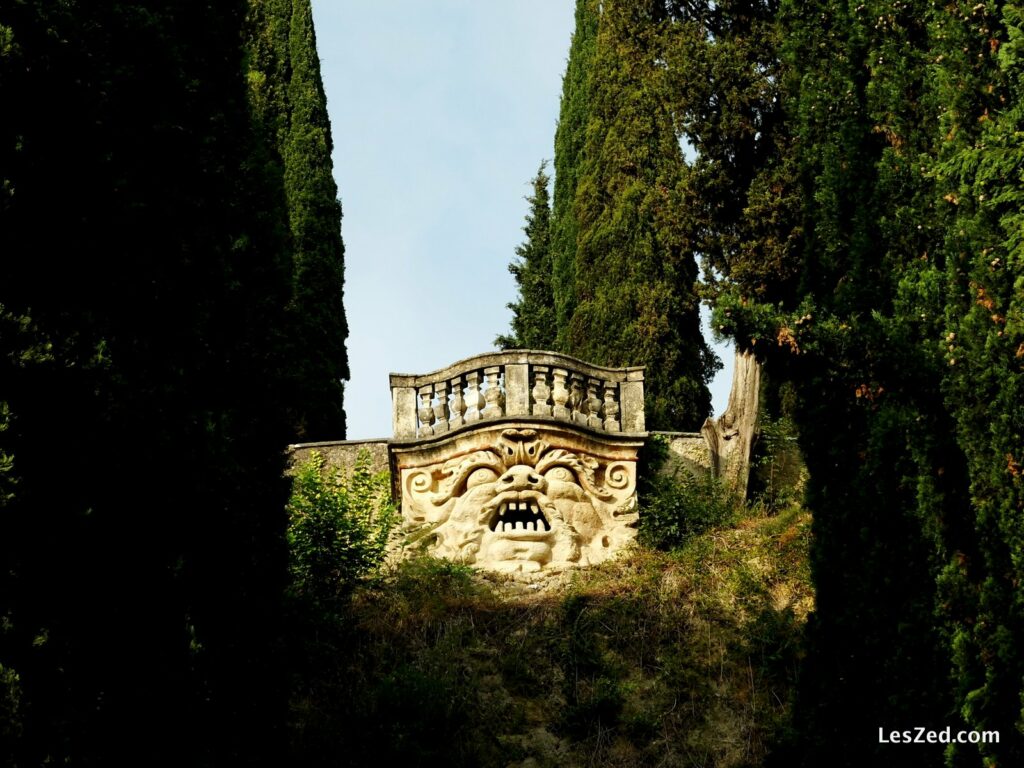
<point>460,469</point>
<point>558,458</point>
<point>583,468</point>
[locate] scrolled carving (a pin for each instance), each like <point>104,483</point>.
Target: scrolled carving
<point>620,475</point>
<point>418,482</point>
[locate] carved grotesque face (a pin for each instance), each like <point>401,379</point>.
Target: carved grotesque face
<point>524,505</point>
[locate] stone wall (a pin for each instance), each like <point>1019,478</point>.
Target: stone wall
<point>342,454</point>
<point>687,452</point>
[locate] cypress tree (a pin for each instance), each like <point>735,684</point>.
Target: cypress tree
<point>741,204</point>
<point>858,338</point>
<point>981,86</point>
<point>635,275</point>
<point>145,279</point>
<point>887,292</point>
<point>573,119</point>
<point>533,315</point>
<point>287,96</point>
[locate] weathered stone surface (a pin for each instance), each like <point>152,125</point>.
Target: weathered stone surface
<point>521,495</point>
<point>687,452</point>
<point>403,412</point>
<point>342,454</point>
<point>631,396</point>
<point>518,383</point>
<point>517,389</point>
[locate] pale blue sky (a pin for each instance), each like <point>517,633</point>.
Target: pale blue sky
<point>441,112</point>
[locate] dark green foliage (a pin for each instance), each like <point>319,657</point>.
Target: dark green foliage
<point>287,98</point>
<point>634,277</point>
<point>337,530</point>
<point>144,283</point>
<point>983,352</point>
<point>533,315</point>
<point>741,197</point>
<point>675,509</point>
<point>884,471</point>
<point>899,330</point>
<point>573,119</point>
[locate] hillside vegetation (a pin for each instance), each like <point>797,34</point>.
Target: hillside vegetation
<point>684,658</point>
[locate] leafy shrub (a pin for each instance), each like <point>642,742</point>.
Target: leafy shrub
<point>673,509</point>
<point>338,528</point>
<point>777,472</point>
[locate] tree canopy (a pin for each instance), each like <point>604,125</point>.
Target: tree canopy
<point>161,230</point>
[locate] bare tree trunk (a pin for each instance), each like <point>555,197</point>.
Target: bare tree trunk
<point>731,436</point>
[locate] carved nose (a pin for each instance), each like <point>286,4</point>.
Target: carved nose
<point>521,479</point>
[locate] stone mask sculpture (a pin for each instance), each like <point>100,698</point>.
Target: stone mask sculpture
<point>520,491</point>
<point>525,504</point>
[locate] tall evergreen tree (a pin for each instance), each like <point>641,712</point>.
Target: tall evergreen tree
<point>855,195</point>
<point>148,271</point>
<point>741,198</point>
<point>287,96</point>
<point>981,86</point>
<point>533,315</point>
<point>635,274</point>
<point>911,582</point>
<point>573,119</point>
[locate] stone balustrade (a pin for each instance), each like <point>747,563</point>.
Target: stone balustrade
<point>517,384</point>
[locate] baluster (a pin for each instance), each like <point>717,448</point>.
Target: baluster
<point>610,410</point>
<point>441,407</point>
<point>541,391</point>
<point>493,395</point>
<point>458,404</point>
<point>474,400</point>
<point>426,411</point>
<point>593,404</point>
<point>576,398</point>
<point>560,394</point>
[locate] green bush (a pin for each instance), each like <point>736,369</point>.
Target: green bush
<point>777,470</point>
<point>338,528</point>
<point>673,509</point>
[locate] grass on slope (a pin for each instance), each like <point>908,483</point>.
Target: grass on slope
<point>680,659</point>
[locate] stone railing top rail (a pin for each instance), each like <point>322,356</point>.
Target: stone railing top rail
<point>521,384</point>
<point>520,356</point>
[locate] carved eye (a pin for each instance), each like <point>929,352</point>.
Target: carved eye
<point>559,474</point>
<point>481,476</point>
